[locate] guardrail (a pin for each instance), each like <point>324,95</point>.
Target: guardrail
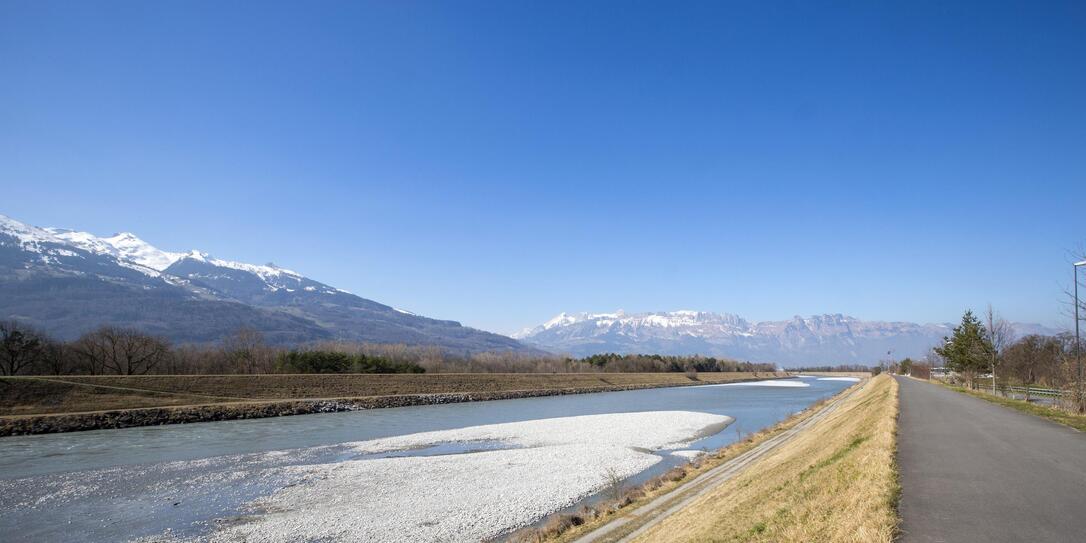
<point>1031,391</point>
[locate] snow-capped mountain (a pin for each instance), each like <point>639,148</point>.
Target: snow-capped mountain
<point>67,282</point>
<point>819,339</point>
<point>125,247</point>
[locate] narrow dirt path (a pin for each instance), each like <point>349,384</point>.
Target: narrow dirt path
<point>141,390</point>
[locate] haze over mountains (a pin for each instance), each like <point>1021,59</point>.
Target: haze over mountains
<point>67,282</point>
<point>819,339</point>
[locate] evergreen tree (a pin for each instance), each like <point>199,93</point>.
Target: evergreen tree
<point>968,350</point>
<point>907,366</point>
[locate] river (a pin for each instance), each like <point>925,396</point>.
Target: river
<point>457,471</point>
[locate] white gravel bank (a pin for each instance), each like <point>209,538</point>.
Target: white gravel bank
<point>649,430</point>
<point>471,496</point>
<point>768,383</point>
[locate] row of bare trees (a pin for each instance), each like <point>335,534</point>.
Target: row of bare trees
<point>120,351</point>
<point>1040,361</point>
<point>107,350</point>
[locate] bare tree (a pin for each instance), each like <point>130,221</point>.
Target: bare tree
<point>1068,373</point>
<point>1000,335</point>
<point>198,359</point>
<point>247,352</point>
<point>934,360</point>
<point>21,347</point>
<point>1034,359</point>
<point>56,359</point>
<point>612,485</point>
<point>120,351</point>
<point>1076,255</point>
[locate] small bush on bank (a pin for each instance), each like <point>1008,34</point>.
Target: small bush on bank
<point>675,474</point>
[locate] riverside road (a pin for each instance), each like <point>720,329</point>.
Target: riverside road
<point>975,471</point>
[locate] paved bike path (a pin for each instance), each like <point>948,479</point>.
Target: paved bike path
<point>976,471</point>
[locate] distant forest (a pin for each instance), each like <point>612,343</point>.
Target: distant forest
<point>848,368</point>
<point>121,351</point>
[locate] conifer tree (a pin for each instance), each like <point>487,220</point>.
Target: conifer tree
<point>968,350</point>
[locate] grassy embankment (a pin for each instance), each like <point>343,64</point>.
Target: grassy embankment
<point>78,394</point>
<point>1060,416</point>
<point>835,481</point>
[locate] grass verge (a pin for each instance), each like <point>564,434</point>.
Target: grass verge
<point>836,481</point>
<point>1060,416</point>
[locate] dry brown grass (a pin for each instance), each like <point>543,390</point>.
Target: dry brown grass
<point>835,482</point>
<point>34,396</point>
<point>70,394</point>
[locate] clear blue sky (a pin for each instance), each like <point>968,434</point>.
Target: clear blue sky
<point>499,162</point>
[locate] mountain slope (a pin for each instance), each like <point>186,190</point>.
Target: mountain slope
<point>820,339</point>
<point>68,282</point>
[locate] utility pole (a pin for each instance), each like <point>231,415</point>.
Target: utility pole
<point>1078,345</point>
<point>992,340</point>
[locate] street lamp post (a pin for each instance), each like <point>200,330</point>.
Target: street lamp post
<point>1078,345</point>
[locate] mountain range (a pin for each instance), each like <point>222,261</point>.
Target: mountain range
<point>815,340</point>
<point>67,282</point>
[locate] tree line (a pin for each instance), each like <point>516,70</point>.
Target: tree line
<point>839,368</point>
<point>111,350</point>
<point>987,349</point>
<point>665,363</point>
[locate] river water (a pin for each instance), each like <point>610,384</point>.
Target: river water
<point>187,481</point>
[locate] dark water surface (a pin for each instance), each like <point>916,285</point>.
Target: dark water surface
<point>110,485</point>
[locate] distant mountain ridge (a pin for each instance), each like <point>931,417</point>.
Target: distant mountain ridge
<point>67,282</point>
<point>815,340</point>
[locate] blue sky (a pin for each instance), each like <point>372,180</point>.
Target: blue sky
<point>500,162</point>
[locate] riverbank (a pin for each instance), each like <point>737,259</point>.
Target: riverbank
<point>37,405</point>
<point>834,481</point>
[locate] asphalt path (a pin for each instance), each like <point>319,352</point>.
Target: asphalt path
<point>975,471</point>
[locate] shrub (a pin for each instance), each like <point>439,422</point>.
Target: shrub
<point>675,474</point>
<point>631,496</point>
<point>339,362</point>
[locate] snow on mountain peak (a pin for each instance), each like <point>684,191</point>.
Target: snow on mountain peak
<point>266,272</point>
<point>26,234</point>
<point>684,318</point>
<point>132,252</point>
<point>829,338</point>
<point>130,247</point>
<point>562,319</point>
<point>125,247</point>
